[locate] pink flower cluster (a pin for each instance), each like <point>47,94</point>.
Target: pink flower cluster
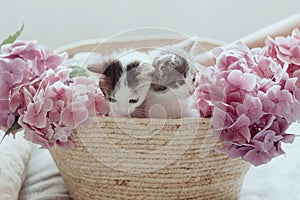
<point>57,106</point>
<point>41,98</point>
<point>20,63</point>
<point>285,50</point>
<point>253,96</point>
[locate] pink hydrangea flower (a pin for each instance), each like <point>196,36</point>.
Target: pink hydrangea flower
<point>42,98</point>
<point>258,154</point>
<point>47,60</point>
<point>251,107</point>
<point>6,81</point>
<point>253,98</point>
<point>238,132</point>
<point>277,101</point>
<point>60,104</point>
<point>7,119</point>
<point>243,81</point>
<point>36,114</point>
<point>284,50</point>
<point>7,116</point>
<point>59,92</point>
<point>74,114</point>
<point>205,107</point>
<point>221,120</point>
<point>26,50</point>
<point>38,57</point>
<point>268,68</point>
<point>62,133</point>
<point>239,58</point>
<point>14,67</point>
<point>288,50</point>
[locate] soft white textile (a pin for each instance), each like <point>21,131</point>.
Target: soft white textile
<point>43,179</point>
<point>14,157</point>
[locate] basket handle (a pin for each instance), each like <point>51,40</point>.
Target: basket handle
<point>281,28</point>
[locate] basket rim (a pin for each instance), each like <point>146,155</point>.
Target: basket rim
<point>155,120</point>
<point>95,41</point>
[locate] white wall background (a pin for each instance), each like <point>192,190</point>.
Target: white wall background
<point>58,22</point>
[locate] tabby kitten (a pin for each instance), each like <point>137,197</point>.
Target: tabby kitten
<point>173,82</point>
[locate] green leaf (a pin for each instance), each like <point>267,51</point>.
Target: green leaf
<point>14,127</point>
<point>12,38</point>
<point>78,71</point>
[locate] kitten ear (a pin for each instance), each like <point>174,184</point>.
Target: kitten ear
<point>163,64</point>
<point>188,44</point>
<point>162,70</point>
<point>97,67</point>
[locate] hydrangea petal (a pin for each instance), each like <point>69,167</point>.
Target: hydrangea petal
<point>73,115</point>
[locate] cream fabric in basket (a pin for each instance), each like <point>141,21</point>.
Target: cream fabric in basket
<point>15,154</point>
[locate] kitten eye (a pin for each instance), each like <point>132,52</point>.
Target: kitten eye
<point>194,79</point>
<point>133,100</point>
<point>181,82</point>
<point>111,99</point>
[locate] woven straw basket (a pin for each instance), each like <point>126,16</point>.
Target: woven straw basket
<point>147,158</point>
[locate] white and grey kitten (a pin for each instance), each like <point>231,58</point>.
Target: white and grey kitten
<point>125,79</point>
<point>173,82</point>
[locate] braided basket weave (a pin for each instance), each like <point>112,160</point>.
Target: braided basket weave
<point>147,158</point>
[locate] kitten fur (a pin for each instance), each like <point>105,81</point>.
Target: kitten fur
<point>125,79</point>
<point>173,82</point>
